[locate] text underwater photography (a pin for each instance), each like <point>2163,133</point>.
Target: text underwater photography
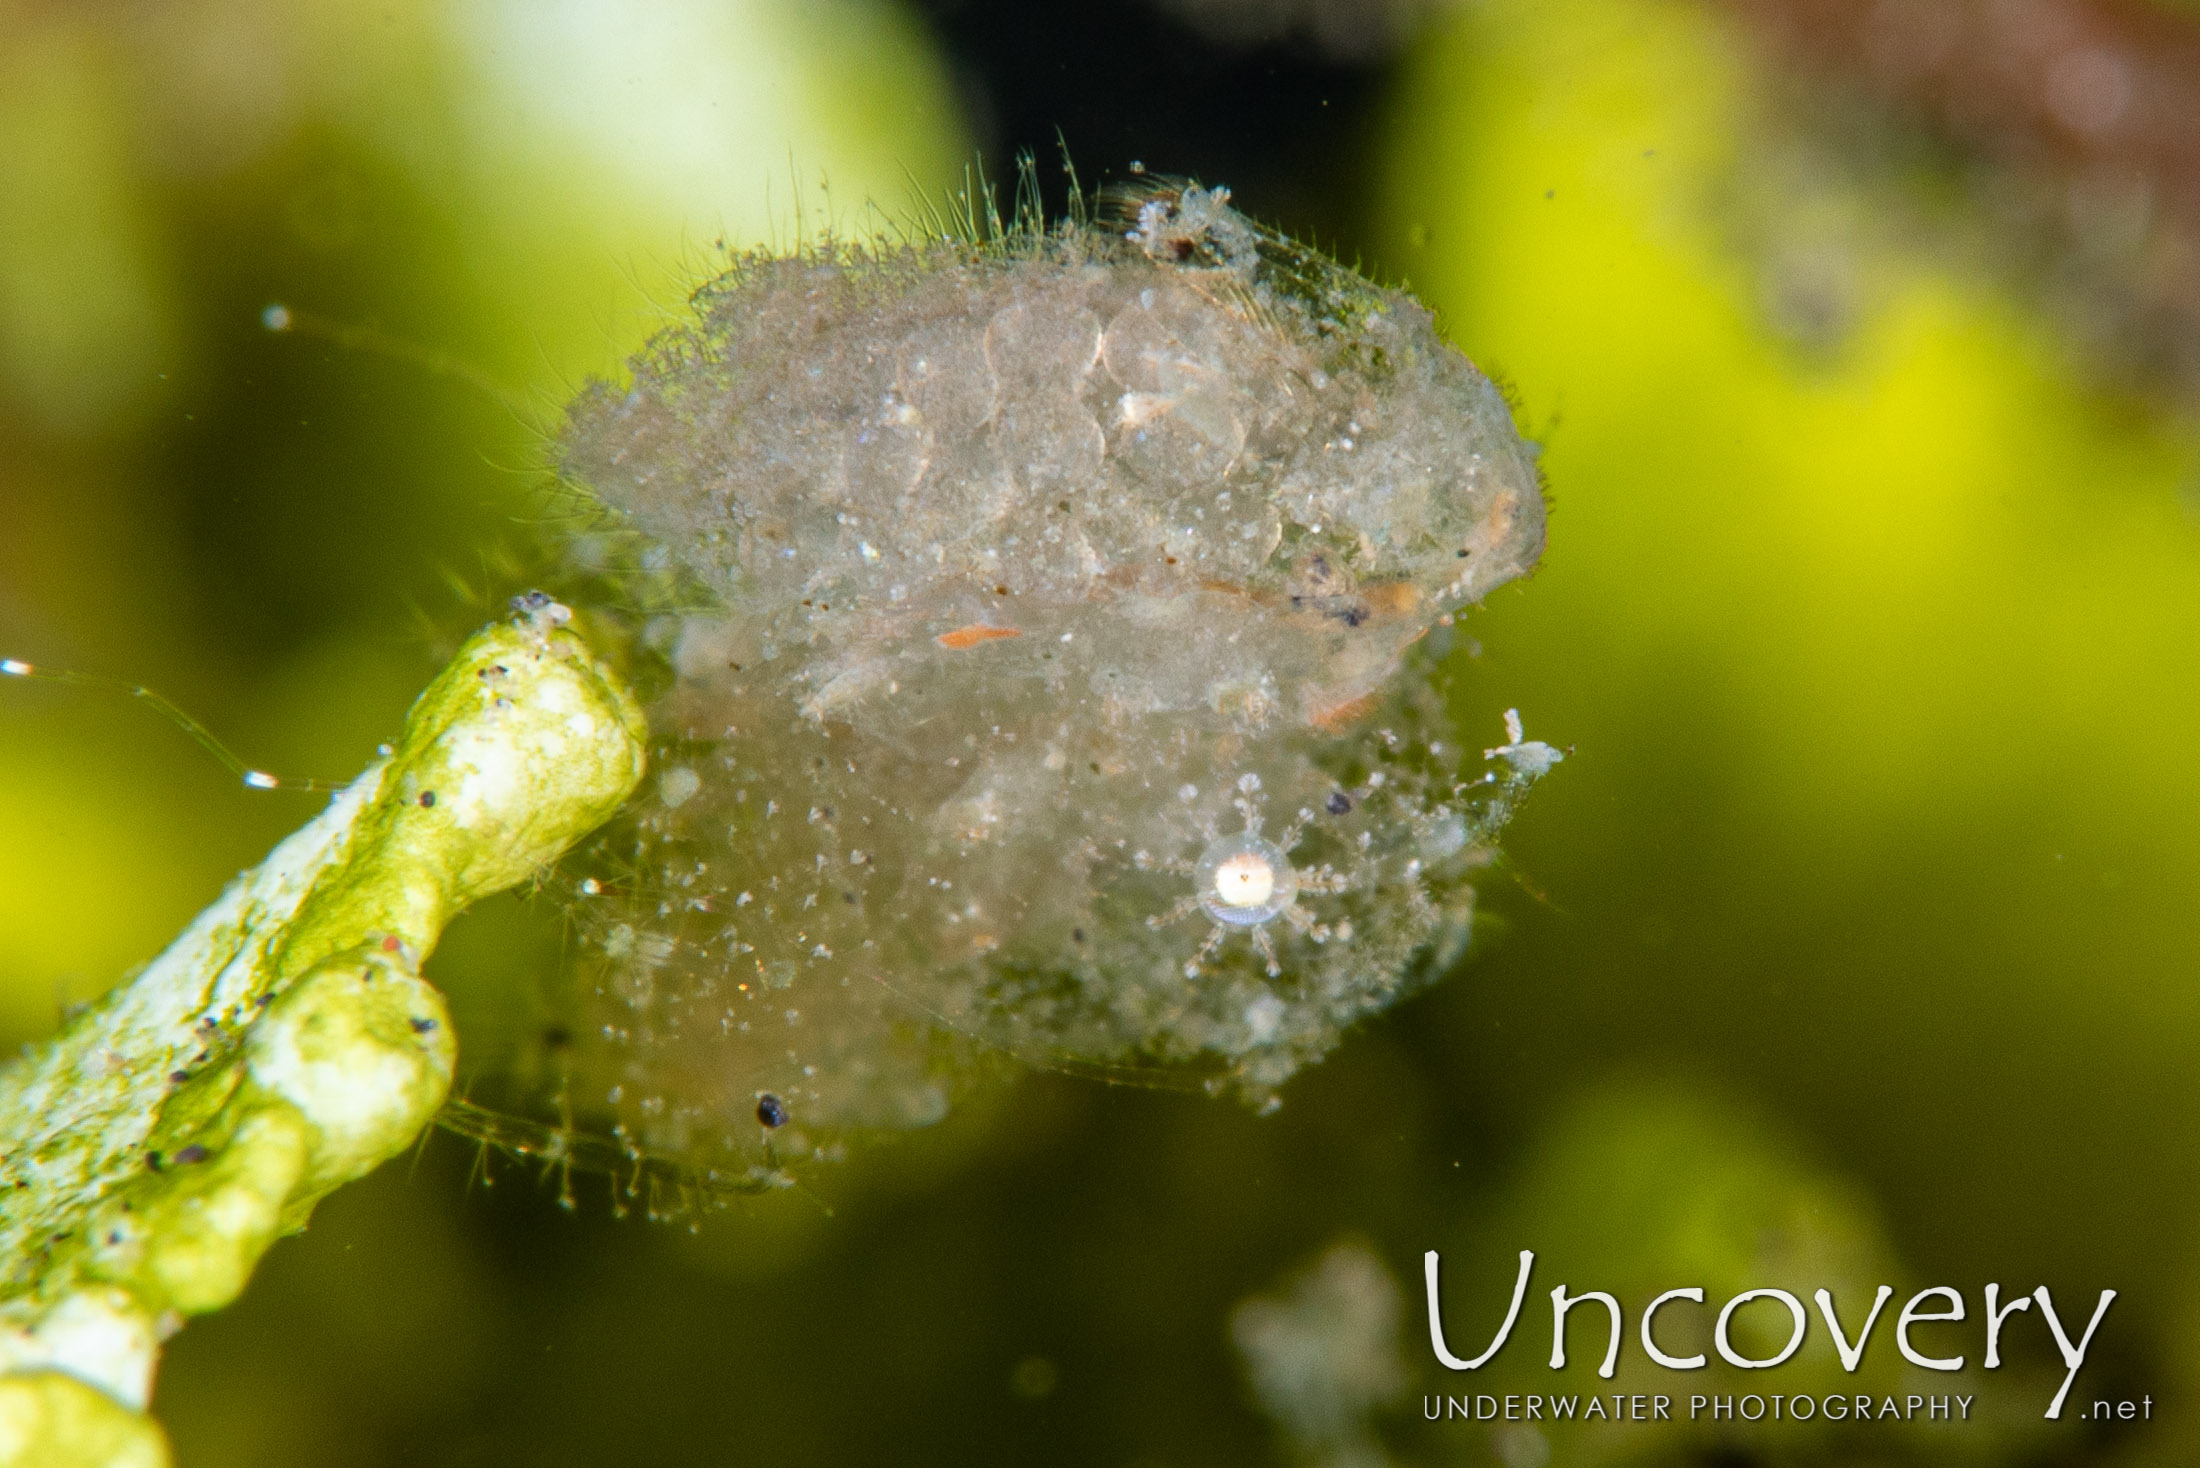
<point>1755,1406</point>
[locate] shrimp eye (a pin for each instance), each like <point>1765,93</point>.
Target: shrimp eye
<point>771,1111</point>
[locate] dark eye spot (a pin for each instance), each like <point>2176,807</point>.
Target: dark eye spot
<point>1338,803</point>
<point>1346,609</point>
<point>191,1154</point>
<point>427,798</point>
<point>421,1024</point>
<point>771,1111</point>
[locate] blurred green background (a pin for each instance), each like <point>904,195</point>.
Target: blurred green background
<point>1855,942</point>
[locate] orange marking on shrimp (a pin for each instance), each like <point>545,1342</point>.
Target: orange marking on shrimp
<point>1392,598</point>
<point>1331,717</point>
<point>974,634</point>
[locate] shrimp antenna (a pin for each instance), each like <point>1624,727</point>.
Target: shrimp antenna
<point>285,320</point>
<point>254,778</point>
